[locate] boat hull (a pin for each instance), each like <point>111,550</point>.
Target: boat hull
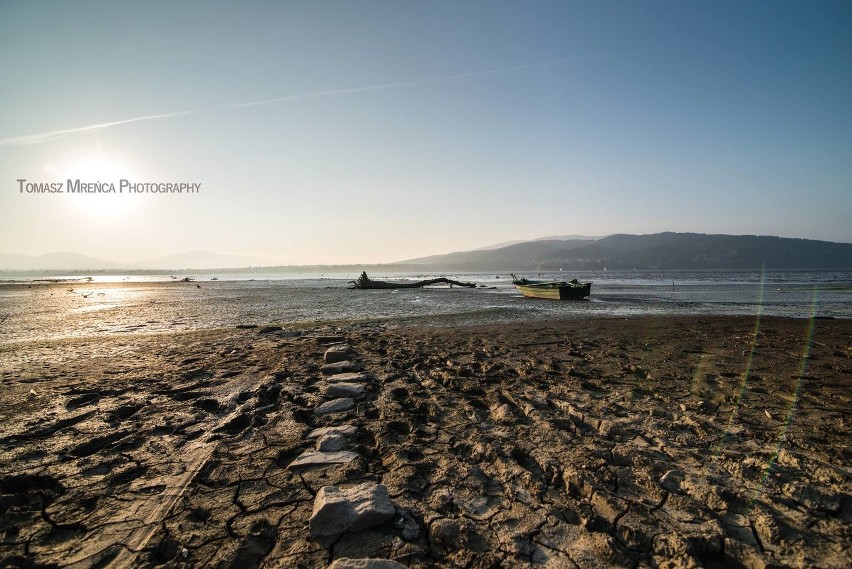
<point>556,292</point>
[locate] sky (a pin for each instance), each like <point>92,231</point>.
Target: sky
<point>377,131</point>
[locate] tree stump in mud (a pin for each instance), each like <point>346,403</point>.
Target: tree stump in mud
<point>365,282</point>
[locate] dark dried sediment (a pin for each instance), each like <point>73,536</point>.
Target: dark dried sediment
<point>671,442</point>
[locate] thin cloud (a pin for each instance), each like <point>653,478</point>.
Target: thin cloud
<point>48,136</point>
<point>442,78</point>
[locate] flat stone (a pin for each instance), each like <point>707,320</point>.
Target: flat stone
<point>351,377</point>
<point>346,563</point>
<point>344,389</point>
<point>336,353</point>
<point>331,442</point>
<point>311,458</point>
<point>335,405</point>
<point>337,367</point>
<point>345,430</point>
<point>338,510</point>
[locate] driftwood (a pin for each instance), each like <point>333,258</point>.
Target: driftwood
<point>365,282</point>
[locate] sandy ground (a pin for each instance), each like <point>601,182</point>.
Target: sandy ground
<point>652,442</point>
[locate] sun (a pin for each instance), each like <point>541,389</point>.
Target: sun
<point>98,171</point>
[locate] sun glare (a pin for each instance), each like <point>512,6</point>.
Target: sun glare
<point>93,184</point>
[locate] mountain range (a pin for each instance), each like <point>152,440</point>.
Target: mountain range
<point>659,251</point>
<point>68,261</point>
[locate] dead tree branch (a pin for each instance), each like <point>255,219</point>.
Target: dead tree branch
<point>365,282</point>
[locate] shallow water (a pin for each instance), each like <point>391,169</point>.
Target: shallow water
<point>33,310</point>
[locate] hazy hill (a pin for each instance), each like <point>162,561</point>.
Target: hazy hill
<point>663,251</point>
<point>700,251</point>
<point>548,238</point>
<point>65,261</point>
<point>660,251</point>
<point>58,261</point>
<point>196,260</point>
<point>511,256</point>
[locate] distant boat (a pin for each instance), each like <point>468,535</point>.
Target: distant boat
<point>554,290</point>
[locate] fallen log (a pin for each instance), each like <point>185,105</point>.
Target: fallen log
<point>365,282</point>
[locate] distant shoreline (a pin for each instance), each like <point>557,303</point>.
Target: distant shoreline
<point>619,252</point>
<point>79,274</point>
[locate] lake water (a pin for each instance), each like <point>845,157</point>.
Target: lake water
<point>32,310</point>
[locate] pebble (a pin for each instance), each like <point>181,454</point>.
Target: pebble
<point>672,480</point>
<point>410,531</point>
<point>502,413</point>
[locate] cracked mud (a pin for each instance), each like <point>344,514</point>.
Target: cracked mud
<point>665,442</point>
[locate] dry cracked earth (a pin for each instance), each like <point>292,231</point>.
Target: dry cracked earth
<point>668,442</point>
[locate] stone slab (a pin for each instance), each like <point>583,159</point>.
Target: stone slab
<point>349,377</point>
<point>312,458</point>
<point>345,430</point>
<point>334,406</point>
<point>345,389</point>
<point>341,510</point>
<point>337,367</point>
<point>347,563</point>
<point>331,442</point>
<point>336,353</point>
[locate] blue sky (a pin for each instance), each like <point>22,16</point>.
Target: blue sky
<point>390,130</point>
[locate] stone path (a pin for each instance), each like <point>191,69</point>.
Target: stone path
<point>339,510</point>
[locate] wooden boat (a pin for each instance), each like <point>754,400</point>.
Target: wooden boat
<point>554,290</point>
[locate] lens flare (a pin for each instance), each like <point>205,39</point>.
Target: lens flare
<point>794,400</point>
<point>746,371</point>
